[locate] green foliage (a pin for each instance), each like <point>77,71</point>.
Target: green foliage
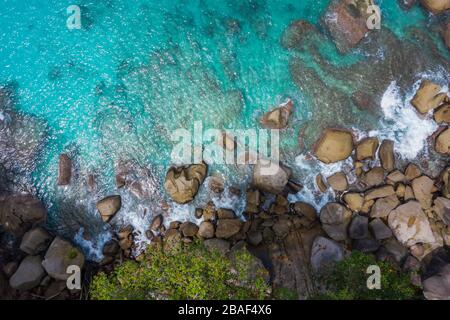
<point>185,272</point>
<point>347,280</point>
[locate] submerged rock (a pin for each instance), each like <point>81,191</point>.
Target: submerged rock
<point>60,255</point>
<point>334,145</point>
<point>108,207</point>
<point>18,213</point>
<point>182,183</point>
<point>346,21</point>
<point>64,170</point>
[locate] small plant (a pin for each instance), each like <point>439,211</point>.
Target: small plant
<point>185,272</point>
<point>347,280</point>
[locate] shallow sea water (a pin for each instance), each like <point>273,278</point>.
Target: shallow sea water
<point>137,70</point>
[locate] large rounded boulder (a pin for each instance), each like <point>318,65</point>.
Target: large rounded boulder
<point>182,183</point>
<point>436,6</point>
<point>335,219</point>
<point>334,145</point>
<point>269,176</point>
<point>60,255</point>
<point>109,206</point>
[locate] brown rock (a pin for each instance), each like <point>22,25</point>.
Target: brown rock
<point>226,228</point>
<point>445,176</point>
<point>447,35</point>
<point>225,214</point>
<point>366,149</point>
<point>423,188</point>
<point>64,170</point>
<point>109,206</point>
<point>334,145</point>
<point>270,177</point>
<point>367,206</point>
<point>279,117</point>
<point>380,192</point>
<point>188,229</point>
<point>412,171</point>
<point>428,97</point>
<point>206,230</point>
<point>216,184</point>
<point>395,177</point>
<point>346,21</point>
<point>442,114</point>
<point>400,191</point>
<point>182,183</point>
<point>409,193</point>
<point>373,177</point>
<point>443,142</point>
<point>18,213</point>
<point>305,209</point>
<point>436,6</point>
<point>156,222</point>
<point>338,181</point>
<point>384,206</point>
<point>354,201</point>
<point>321,183</point>
<point>386,154</point>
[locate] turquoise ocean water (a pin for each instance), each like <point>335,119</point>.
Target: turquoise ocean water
<point>139,69</point>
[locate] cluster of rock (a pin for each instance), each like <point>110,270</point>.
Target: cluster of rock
<point>33,262</point>
<point>346,21</point>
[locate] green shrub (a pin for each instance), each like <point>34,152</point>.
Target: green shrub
<point>187,272</point>
<point>347,280</point>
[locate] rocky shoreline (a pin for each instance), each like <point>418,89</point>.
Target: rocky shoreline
<point>398,212</point>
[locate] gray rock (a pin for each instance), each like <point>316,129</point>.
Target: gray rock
<point>395,248</point>
<point>380,230</point>
<point>442,208</point>
<point>359,227</point>
<point>35,241</point>
<point>219,245</point>
<point>335,219</point>
<point>254,238</point>
<point>282,227</point>
<point>60,255</point>
<point>384,206</point>
<point>437,287</point>
<point>28,275</point>
<point>325,252</point>
<point>366,245</point>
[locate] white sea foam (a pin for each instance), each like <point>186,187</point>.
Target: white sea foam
<point>92,247</point>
